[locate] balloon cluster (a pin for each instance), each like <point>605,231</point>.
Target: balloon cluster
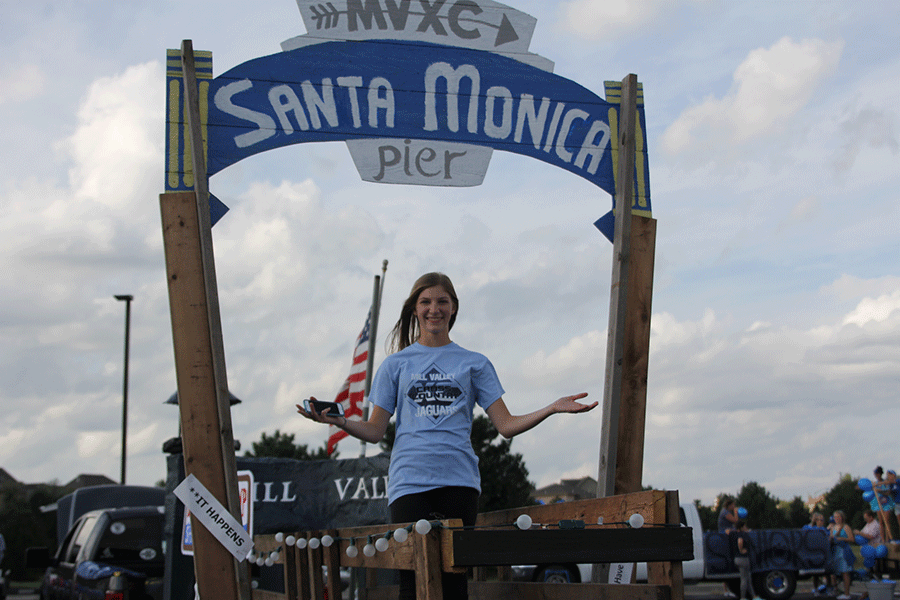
<point>869,552</point>
<point>742,512</point>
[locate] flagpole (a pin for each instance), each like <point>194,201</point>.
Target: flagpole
<point>373,333</point>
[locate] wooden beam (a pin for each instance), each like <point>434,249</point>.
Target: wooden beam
<point>227,491</point>
<point>618,303</point>
<point>480,590</point>
<point>635,357</point>
<point>669,573</point>
<point>649,504</point>
<point>514,547</point>
<point>215,568</point>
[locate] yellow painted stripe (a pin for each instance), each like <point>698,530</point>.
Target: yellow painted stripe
<point>188,151</point>
<point>204,117</point>
<point>174,132</point>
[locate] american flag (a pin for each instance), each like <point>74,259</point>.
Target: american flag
<point>352,392</point>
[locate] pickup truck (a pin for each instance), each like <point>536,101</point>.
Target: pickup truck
<point>778,557</point>
<point>102,548</point>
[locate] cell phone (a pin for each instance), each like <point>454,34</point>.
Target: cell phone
<point>317,406</point>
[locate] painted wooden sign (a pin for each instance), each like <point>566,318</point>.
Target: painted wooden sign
<point>484,25</point>
<point>411,111</point>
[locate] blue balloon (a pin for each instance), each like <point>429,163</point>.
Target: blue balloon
<point>865,484</point>
<point>742,512</point>
<point>861,540</point>
<point>867,551</point>
<point>868,495</point>
<point>881,551</point>
<point>869,562</point>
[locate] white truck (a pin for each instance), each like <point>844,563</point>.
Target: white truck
<point>778,557</point>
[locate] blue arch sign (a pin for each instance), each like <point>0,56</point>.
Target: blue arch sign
<point>381,89</point>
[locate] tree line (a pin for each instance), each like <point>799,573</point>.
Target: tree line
<point>764,511</point>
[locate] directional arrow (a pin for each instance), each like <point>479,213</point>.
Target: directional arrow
<point>506,34</point>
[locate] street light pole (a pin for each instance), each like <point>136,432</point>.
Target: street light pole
<point>127,298</point>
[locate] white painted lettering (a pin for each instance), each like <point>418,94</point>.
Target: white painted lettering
<point>342,491</point>
<point>265,125</point>
<point>569,119</point>
<point>452,77</point>
<point>352,84</point>
<point>268,495</point>
<point>503,130</point>
<point>361,490</point>
<point>594,149</point>
<point>286,486</point>
<point>376,102</point>
<point>376,495</point>
<point>554,123</point>
<point>284,101</point>
<point>323,104</point>
<point>536,121</point>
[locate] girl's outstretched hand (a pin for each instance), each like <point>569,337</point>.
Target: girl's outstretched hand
<point>317,417</point>
<point>570,404</point>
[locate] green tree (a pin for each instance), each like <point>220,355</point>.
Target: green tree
<point>281,445</point>
<point>708,516</point>
<point>24,525</point>
<point>847,497</point>
<point>504,476</point>
<point>762,507</point>
<point>796,513</point>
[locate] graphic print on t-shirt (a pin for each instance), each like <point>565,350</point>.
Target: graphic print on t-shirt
<point>434,393</point>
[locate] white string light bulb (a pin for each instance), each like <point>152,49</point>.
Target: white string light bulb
<point>636,520</point>
<point>369,550</point>
<point>301,543</point>
<point>279,537</point>
<point>314,543</point>
<point>327,541</point>
<point>524,522</point>
<point>352,551</point>
<point>275,556</point>
<point>269,562</point>
<point>401,534</point>
<point>381,544</point>
<point>290,540</point>
<point>423,527</point>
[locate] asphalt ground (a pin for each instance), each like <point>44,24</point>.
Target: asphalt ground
<point>714,591</point>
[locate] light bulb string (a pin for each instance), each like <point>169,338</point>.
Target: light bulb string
<point>574,525</point>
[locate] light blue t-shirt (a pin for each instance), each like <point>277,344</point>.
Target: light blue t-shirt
<point>433,392</point>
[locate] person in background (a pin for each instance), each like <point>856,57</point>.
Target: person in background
<point>883,501</point>
<point>432,385</point>
<point>891,478</point>
<point>728,516</point>
<point>841,534</point>
<point>740,549</point>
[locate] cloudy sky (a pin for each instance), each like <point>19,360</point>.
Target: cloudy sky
<point>774,148</point>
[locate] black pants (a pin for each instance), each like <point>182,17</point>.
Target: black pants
<point>437,504</point>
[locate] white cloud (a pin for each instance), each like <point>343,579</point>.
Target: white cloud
<point>20,82</point>
<point>874,309</point>
<point>769,86</point>
<point>118,145</point>
<point>605,18</point>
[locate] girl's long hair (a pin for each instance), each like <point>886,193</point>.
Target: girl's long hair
<point>406,330</point>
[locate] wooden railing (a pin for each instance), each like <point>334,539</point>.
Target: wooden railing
<point>496,541</point>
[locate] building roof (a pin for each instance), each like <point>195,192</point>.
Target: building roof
<point>6,477</point>
<point>577,489</point>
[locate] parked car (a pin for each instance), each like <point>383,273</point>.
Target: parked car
<point>102,548</point>
<point>778,557</point>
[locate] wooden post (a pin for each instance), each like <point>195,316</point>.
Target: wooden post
<point>618,303</point>
<point>214,566</point>
<point>636,358</point>
<point>204,405</point>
